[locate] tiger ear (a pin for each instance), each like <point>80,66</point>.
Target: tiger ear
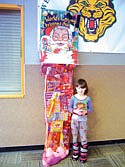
<point>74,8</point>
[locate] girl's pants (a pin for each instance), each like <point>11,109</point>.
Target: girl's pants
<point>79,128</point>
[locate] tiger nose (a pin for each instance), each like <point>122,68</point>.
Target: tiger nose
<point>91,12</point>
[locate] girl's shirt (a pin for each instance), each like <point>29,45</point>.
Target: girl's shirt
<point>84,104</point>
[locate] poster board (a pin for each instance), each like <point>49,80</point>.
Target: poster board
<point>58,40</point>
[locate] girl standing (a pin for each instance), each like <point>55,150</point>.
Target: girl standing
<point>80,106</point>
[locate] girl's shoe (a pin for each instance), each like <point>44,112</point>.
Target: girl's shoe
<point>83,153</point>
<point>75,155</point>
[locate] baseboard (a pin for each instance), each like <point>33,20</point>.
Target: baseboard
<point>41,147</point>
<point>106,142</point>
<point>21,148</point>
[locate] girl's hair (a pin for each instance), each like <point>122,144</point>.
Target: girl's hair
<point>83,84</point>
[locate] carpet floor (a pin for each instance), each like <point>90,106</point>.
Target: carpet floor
<point>98,156</point>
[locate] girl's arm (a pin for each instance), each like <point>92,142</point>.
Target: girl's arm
<point>89,106</point>
<point>70,105</point>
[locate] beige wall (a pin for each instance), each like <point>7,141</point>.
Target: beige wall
<point>22,120</point>
<point>107,90</point>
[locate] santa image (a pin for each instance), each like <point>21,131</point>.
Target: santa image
<point>56,45</point>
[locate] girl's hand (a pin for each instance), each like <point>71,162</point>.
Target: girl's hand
<point>85,112</point>
<point>77,112</point>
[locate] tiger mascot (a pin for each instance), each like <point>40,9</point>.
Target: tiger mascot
<point>95,17</point>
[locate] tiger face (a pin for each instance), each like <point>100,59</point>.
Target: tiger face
<point>95,17</point>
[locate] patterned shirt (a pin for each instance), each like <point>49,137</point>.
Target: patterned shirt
<point>84,104</point>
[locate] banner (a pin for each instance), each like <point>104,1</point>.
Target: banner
<point>58,42</point>
<point>101,26</point>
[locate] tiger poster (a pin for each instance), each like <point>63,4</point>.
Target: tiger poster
<point>101,26</point>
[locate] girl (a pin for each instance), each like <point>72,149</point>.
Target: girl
<point>80,106</point>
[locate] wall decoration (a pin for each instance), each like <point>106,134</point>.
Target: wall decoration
<point>58,57</point>
<point>58,91</point>
<point>95,17</point>
<point>58,41</point>
<point>101,31</point>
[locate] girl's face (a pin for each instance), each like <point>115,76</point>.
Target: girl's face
<point>80,89</point>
